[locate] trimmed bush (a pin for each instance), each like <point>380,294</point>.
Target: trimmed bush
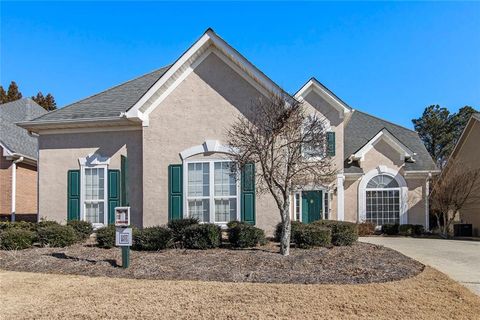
<point>16,238</point>
<point>295,225</point>
<point>390,229</point>
<point>18,225</point>
<point>106,237</point>
<point>56,235</point>
<point>233,223</point>
<point>244,235</point>
<point>83,229</point>
<point>418,229</point>
<point>152,239</point>
<point>343,233</point>
<point>311,235</point>
<point>405,229</point>
<point>411,230</point>
<point>178,227</point>
<point>202,236</point>
<point>366,229</point>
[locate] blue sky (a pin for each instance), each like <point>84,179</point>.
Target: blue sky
<point>388,59</point>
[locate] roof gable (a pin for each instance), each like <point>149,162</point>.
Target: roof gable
<point>384,135</point>
<point>208,43</point>
<point>316,86</point>
<point>14,139</point>
<point>361,128</point>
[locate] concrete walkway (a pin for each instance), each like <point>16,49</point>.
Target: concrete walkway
<point>460,260</point>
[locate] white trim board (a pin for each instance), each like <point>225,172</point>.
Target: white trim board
<point>315,86</point>
<point>207,44</point>
<point>207,146</point>
<point>404,151</point>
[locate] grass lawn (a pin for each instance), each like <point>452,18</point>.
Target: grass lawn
<point>429,295</point>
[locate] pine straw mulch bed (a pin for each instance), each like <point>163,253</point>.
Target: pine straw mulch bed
<point>359,263</point>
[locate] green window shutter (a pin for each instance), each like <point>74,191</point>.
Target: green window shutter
<point>124,181</point>
<point>73,195</point>
<point>331,144</point>
<point>247,201</point>
<point>175,191</point>
<point>113,194</point>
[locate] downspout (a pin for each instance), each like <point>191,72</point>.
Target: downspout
<point>427,204</point>
<point>14,186</point>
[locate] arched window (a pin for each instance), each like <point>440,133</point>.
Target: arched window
<point>383,200</point>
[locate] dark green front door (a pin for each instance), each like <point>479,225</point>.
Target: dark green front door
<point>311,206</point>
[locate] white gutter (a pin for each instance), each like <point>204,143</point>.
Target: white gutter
<point>14,186</point>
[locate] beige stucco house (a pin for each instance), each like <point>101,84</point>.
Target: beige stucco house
<point>157,143</point>
<point>18,161</point>
<point>467,154</point>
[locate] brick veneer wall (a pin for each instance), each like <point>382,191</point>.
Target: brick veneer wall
<point>5,184</point>
<point>26,193</point>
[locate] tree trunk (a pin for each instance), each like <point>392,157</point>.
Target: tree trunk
<point>286,228</point>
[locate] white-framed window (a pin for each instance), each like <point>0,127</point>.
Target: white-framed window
<point>212,191</point>
<point>94,190</point>
<point>383,200</point>
<point>315,149</point>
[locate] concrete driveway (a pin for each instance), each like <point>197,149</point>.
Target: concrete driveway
<point>460,260</point>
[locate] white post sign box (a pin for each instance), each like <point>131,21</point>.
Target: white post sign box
<point>122,216</point>
<point>123,237</point>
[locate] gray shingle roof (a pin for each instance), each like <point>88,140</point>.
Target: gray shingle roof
<point>108,103</point>
<point>13,137</point>
<point>362,127</point>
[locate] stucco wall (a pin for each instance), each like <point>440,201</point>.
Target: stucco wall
<point>314,103</point>
<point>59,153</point>
<point>469,155</point>
<point>201,108</point>
<point>383,154</point>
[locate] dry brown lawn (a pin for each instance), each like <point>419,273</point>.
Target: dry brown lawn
<point>430,295</point>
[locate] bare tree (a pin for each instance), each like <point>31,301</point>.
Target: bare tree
<point>457,187</point>
<point>289,148</point>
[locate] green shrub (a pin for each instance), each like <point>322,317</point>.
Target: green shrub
<point>106,237</point>
<point>405,229</point>
<point>366,229</point>
<point>16,238</point>
<point>244,235</point>
<point>411,230</point>
<point>56,235</point>
<point>233,223</point>
<point>152,239</point>
<point>202,236</point>
<point>18,225</point>
<point>83,229</point>
<point>343,233</point>
<point>311,235</point>
<point>178,227</point>
<point>390,229</point>
<point>46,223</point>
<point>418,229</point>
<point>295,225</point>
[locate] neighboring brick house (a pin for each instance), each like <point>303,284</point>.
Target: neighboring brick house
<point>18,161</point>
<point>467,155</point>
<point>157,143</point>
